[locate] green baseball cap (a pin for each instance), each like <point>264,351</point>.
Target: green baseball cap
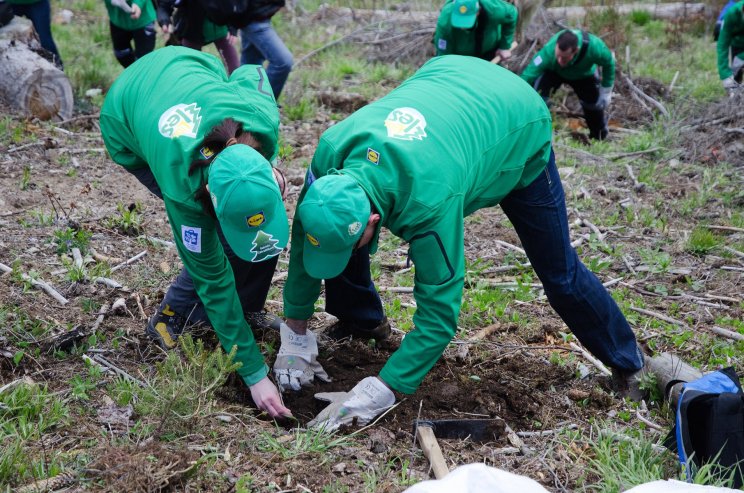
<point>464,14</point>
<point>333,214</point>
<point>248,203</point>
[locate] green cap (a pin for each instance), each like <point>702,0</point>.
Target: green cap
<point>248,203</point>
<point>333,214</point>
<point>464,13</point>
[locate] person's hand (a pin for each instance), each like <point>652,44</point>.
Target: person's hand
<point>267,398</point>
<point>363,403</point>
<point>164,21</point>
<point>123,5</point>
<point>297,361</point>
<point>605,96</point>
<point>281,182</point>
<point>502,55</point>
<point>136,11</point>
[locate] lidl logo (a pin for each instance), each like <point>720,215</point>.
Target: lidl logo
<point>206,152</point>
<point>406,124</point>
<point>463,9</point>
<point>313,241</point>
<point>255,220</point>
<point>354,228</point>
<point>373,156</point>
<point>181,120</point>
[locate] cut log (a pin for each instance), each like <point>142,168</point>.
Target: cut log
<point>28,81</point>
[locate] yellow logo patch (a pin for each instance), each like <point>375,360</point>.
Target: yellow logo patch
<point>255,220</point>
<point>463,9</point>
<point>313,241</point>
<point>206,152</point>
<point>373,156</point>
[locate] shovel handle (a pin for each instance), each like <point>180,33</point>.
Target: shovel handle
<point>430,446</point>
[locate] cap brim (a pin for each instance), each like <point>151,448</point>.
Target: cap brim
<point>324,265</point>
<point>250,245</point>
<point>464,21</point>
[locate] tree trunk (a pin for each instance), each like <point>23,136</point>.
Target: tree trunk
<point>28,81</point>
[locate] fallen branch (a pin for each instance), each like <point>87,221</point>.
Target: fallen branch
<point>104,362</point>
<point>588,356</point>
<point>509,246</point>
<point>158,241</point>
<point>645,96</point>
<point>46,287</point>
<point>735,252</point>
<point>462,351</point>
<point>515,440</point>
<point>729,334</point>
<point>734,130</point>
<point>619,155</point>
<point>130,261</point>
<point>724,228</point>
<point>77,258</point>
<point>637,186</point>
<point>395,289</point>
<point>527,434</point>
<point>107,282</point>
<point>648,422</point>
<point>660,316</point>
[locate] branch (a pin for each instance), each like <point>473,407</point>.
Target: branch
<point>645,96</point>
<point>130,261</point>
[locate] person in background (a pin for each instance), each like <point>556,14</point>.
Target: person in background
<point>731,44</point>
<point>204,142</point>
<point>260,43</point>
<point>574,57</point>
<point>479,28</point>
<point>191,26</point>
<point>719,21</point>
<point>131,22</point>
<point>418,161</point>
<point>40,15</point>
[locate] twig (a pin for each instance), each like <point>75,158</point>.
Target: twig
<point>527,434</point>
<point>660,316</point>
<point>515,440</point>
<point>634,153</point>
<point>735,252</point>
<point>101,314</point>
<point>130,261</point>
<point>158,241</point>
<point>331,43</point>
<point>103,361</point>
<point>729,334</point>
<point>734,130</point>
<point>77,258</point>
<point>99,257</point>
<point>510,246</point>
<point>15,383</point>
<point>5,269</point>
<point>600,366</point>
<point>724,228</point>
<point>648,98</point>
<point>395,289</point>
<point>46,287</point>
<point>24,146</point>
<point>648,422</point>
<point>637,186</point>
<point>107,282</point>
<point>378,418</point>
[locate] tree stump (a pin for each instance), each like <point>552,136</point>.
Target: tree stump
<point>28,81</point>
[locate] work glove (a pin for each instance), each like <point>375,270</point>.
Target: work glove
<point>730,84</point>
<point>605,96</point>
<point>297,361</point>
<point>164,20</point>
<point>364,402</point>
<point>123,5</point>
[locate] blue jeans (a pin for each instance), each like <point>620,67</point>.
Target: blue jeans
<point>39,13</point>
<point>259,43</point>
<point>538,213</point>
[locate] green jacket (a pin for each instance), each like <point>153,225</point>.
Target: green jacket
<point>597,53</point>
<point>497,19</point>
<point>428,154</point>
<point>732,36</point>
<point>122,20</point>
<point>22,2</point>
<point>156,114</point>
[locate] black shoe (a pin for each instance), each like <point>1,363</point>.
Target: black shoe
<point>262,320</point>
<point>165,327</point>
<point>342,330</point>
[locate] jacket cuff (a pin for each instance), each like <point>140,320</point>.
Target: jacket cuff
<point>299,312</point>
<point>255,377</point>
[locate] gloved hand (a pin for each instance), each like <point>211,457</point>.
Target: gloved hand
<point>365,401</point>
<point>123,5</point>
<point>164,20</point>
<point>605,96</point>
<point>730,84</point>
<point>297,361</point>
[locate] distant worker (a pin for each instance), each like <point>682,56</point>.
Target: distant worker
<point>572,57</point>
<point>731,39</point>
<point>39,12</point>
<point>131,21</point>
<point>479,28</point>
<point>719,21</point>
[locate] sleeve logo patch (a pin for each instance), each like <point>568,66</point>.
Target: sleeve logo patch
<point>255,220</point>
<point>373,156</point>
<point>309,177</point>
<point>538,60</point>
<point>406,124</point>
<point>442,44</point>
<point>191,238</point>
<point>312,240</point>
<point>354,228</point>
<point>206,152</point>
<point>181,120</point>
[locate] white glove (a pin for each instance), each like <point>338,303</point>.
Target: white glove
<point>729,83</point>
<point>364,402</point>
<point>605,96</point>
<point>123,5</point>
<point>297,361</point>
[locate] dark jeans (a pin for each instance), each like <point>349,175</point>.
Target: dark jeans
<point>252,279</point>
<point>144,43</point>
<point>39,13</point>
<point>538,213</point>
<point>587,90</point>
<point>260,42</point>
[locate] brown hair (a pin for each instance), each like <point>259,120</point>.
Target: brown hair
<point>223,135</point>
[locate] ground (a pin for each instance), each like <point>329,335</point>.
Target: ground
<point>660,221</point>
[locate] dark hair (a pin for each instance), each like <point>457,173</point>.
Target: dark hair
<point>567,40</point>
<point>215,142</point>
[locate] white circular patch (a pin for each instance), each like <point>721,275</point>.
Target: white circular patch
<point>406,124</point>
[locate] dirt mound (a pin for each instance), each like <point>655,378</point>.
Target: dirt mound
<point>716,132</point>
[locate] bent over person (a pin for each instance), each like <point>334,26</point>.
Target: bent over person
<point>203,142</point>
<point>731,44</point>
<point>418,161</point>
<point>573,57</point>
<point>479,28</point>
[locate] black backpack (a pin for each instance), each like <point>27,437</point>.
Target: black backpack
<point>710,425</point>
<point>239,13</point>
<point>6,13</point>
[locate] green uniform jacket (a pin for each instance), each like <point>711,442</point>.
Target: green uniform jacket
<point>156,114</point>
<point>428,154</point>
<point>22,2</point>
<point>122,20</point>
<point>596,54</point>
<point>732,36</point>
<point>501,21</point>
<point>212,32</point>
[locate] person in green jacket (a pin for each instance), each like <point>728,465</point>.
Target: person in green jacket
<point>39,12</point>
<point>479,28</point>
<point>731,38</point>
<point>460,135</point>
<point>572,57</point>
<point>131,21</point>
<point>203,142</point>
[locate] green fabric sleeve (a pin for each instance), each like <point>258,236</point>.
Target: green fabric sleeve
<point>722,48</point>
<point>605,59</point>
<point>538,64</point>
<point>443,31</point>
<point>438,254</point>
<point>205,260</point>
<point>115,137</point>
<point>508,26</point>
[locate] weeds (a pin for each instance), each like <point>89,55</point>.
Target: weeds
<point>68,238</point>
<point>701,241</point>
<point>314,441</point>
<point>129,221</point>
